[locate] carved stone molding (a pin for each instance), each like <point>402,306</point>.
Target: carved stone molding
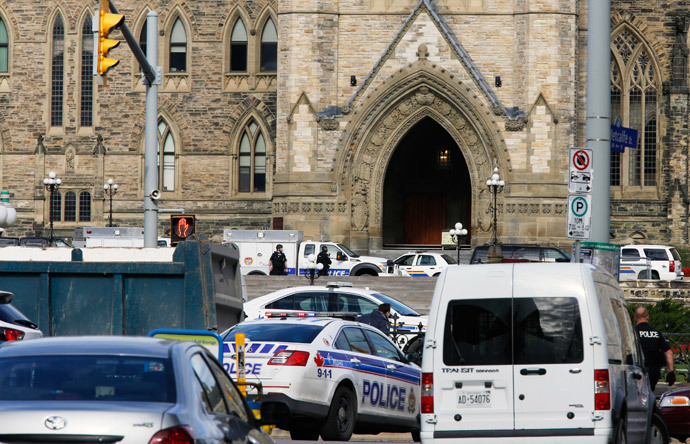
<point>515,125</point>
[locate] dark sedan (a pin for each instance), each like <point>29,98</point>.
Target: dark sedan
<point>119,390</point>
<point>675,406</point>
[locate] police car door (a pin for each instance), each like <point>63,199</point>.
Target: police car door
<point>367,371</point>
<point>399,398</point>
<point>405,264</point>
<point>339,267</point>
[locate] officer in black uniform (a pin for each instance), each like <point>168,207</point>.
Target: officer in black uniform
<point>656,350</point>
<point>278,260</point>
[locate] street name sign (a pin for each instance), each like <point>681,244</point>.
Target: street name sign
<point>580,170</point>
<point>622,137</point>
<point>579,216</point>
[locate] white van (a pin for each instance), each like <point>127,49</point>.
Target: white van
<point>532,352</point>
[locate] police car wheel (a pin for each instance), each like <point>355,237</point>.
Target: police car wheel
<point>340,422</point>
<point>304,435</point>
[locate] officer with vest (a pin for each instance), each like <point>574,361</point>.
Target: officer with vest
<point>277,261</point>
<point>656,350</point>
<point>378,318</point>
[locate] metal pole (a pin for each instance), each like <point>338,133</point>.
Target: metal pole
<point>150,156</point>
<point>495,191</point>
<point>110,192</point>
<point>598,129</point>
<point>457,248</point>
<point>52,190</point>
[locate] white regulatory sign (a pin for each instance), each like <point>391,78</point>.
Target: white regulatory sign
<point>579,216</point>
<point>580,170</point>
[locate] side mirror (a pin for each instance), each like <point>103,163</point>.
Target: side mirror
<point>6,297</point>
<point>339,256</point>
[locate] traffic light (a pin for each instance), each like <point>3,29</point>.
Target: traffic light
<point>181,227</point>
<point>106,22</point>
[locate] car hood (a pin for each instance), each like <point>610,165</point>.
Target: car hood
<point>376,260</point>
<point>134,422</point>
<point>680,391</point>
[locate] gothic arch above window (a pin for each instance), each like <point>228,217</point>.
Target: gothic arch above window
<point>4,48</point>
<point>251,173</point>
<point>635,91</point>
<point>166,156</point>
<point>57,72</point>
<point>238,47</point>
<point>86,93</point>
<point>177,61</point>
<point>269,47</point>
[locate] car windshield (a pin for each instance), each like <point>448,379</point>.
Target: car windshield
<point>348,251</point>
<point>448,259</point>
<point>10,314</point>
<point>264,331</point>
<point>86,378</point>
<point>398,306</point>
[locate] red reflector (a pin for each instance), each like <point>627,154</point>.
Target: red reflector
<point>289,357</point>
<point>173,435</point>
<point>672,266</point>
<point>88,231</point>
<point>10,334</point>
<point>427,393</point>
<point>602,390</point>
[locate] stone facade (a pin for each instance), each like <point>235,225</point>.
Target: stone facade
<point>504,79</point>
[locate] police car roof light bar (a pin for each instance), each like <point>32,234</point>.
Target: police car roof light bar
<point>334,284</point>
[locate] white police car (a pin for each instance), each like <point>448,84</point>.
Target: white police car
<point>328,377</point>
<point>337,297</point>
<point>422,263</point>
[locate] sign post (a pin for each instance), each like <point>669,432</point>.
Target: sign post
<point>579,211</point>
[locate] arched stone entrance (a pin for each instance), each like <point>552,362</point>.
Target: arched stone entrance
<point>426,189</point>
<point>381,122</point>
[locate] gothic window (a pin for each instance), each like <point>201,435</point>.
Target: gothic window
<point>4,47</point>
<point>57,75</point>
<point>87,73</point>
<point>178,47</point>
<point>634,99</point>
<point>252,160</point>
<point>56,206</point>
<point>269,47</point>
<point>84,206</point>
<point>238,47</point>
<point>166,159</point>
<point>70,206</point>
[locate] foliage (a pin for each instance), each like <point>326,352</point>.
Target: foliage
<point>686,271</point>
<point>667,315</point>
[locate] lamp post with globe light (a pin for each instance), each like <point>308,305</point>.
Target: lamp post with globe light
<point>110,189</point>
<point>8,215</point>
<point>312,269</point>
<point>51,183</point>
<point>456,233</point>
<point>495,184</point>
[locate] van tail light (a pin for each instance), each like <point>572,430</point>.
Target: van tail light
<point>173,435</point>
<point>427,393</point>
<point>672,266</point>
<point>10,334</point>
<point>290,357</point>
<point>602,390</point>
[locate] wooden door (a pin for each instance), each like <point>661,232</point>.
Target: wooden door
<point>425,218</point>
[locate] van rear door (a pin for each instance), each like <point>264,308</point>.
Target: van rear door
<point>473,389</point>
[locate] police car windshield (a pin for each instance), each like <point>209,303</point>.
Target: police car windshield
<point>264,331</point>
<point>348,251</point>
<point>398,306</point>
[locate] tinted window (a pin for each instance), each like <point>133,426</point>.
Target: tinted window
<point>285,303</point>
<point>8,242</point>
<point>630,254</point>
<point>302,333</point>
<point>232,396</point>
<point>656,254</point>
<point>547,331</point>
<point>675,254</point>
<point>426,260</point>
<point>405,260</point>
<point>10,314</point>
<point>448,259</point>
<point>555,254</point>
<point>398,306</point>
<point>356,339</point>
<point>210,390</point>
<point>531,254</point>
<point>309,249</point>
<point>628,334</point>
<point>477,332</point>
<point>544,331</point>
<point>382,346</point>
<point>311,301</point>
<point>89,378</point>
<point>354,303</point>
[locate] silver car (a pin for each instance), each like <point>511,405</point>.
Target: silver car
<point>119,390</point>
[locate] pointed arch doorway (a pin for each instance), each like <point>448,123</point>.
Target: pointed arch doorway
<point>427,187</point>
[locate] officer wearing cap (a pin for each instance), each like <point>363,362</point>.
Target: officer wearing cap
<point>378,318</point>
<point>277,262</point>
<point>656,350</point>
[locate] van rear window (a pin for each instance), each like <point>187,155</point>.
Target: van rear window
<point>506,331</point>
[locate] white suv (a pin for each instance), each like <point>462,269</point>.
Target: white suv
<point>650,262</point>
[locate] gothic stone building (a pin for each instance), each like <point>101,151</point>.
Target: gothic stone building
<point>372,122</point>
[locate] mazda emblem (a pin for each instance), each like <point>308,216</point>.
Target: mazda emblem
<point>55,422</point>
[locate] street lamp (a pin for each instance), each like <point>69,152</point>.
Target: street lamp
<point>110,189</point>
<point>51,183</point>
<point>456,233</point>
<point>495,185</point>
<point>312,269</point>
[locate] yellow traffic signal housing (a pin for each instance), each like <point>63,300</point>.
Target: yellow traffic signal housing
<point>106,22</point>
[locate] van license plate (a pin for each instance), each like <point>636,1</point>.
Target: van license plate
<point>475,399</point>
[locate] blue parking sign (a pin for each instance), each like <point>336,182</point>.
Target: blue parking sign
<point>622,137</point>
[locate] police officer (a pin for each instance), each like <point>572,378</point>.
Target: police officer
<point>325,259</point>
<point>278,261</point>
<point>656,350</point>
<point>378,318</point>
